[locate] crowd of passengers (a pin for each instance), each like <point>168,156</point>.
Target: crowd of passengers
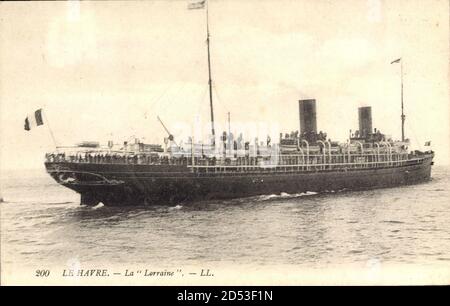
<point>147,159</point>
<point>100,158</point>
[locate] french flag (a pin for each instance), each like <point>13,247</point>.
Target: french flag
<point>34,121</point>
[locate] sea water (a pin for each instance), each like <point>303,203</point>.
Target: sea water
<point>42,224</point>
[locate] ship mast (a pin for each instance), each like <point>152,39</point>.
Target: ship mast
<point>403,115</point>
<point>401,89</point>
<point>210,78</point>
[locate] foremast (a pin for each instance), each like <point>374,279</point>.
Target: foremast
<point>399,60</point>
<point>209,75</point>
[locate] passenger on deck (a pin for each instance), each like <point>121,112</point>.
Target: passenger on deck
<point>240,138</point>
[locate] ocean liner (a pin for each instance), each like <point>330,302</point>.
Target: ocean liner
<point>302,161</point>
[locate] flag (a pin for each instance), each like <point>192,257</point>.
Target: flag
<point>428,143</point>
<point>34,120</point>
<point>396,61</point>
<point>196,5</point>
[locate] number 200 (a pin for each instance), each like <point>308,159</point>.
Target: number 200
<point>42,273</point>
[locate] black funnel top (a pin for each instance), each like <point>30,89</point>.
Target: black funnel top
<point>365,120</point>
<point>308,121</point>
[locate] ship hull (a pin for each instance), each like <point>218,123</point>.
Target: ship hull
<point>126,185</point>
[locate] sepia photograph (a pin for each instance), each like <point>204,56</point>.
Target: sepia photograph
<point>225,142</point>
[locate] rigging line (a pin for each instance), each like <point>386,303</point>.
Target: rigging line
<point>215,92</point>
<point>158,99</point>
<point>202,99</point>
<point>200,108</point>
<point>50,130</point>
<point>411,127</point>
<point>157,102</point>
<point>220,100</point>
<point>182,75</point>
<point>163,95</point>
<point>415,137</point>
<point>176,92</point>
<point>170,101</point>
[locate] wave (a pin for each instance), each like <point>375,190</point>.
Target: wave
<point>268,197</point>
<point>99,205</point>
<point>177,207</point>
<point>285,195</point>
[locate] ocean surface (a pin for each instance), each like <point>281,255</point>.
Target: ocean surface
<point>43,224</point>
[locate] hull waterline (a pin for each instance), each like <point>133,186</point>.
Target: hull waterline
<point>125,185</point>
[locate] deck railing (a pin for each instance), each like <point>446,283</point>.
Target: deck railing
<point>303,167</point>
<point>275,163</point>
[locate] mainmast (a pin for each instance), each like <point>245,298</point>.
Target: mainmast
<point>403,115</point>
<point>401,84</point>
<point>210,78</point>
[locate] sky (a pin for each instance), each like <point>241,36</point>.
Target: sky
<point>105,70</point>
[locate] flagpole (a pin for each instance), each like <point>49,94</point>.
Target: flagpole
<point>401,94</point>
<point>50,130</point>
<point>209,75</point>
<point>403,115</point>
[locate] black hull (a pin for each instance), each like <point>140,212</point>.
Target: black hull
<point>125,184</point>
